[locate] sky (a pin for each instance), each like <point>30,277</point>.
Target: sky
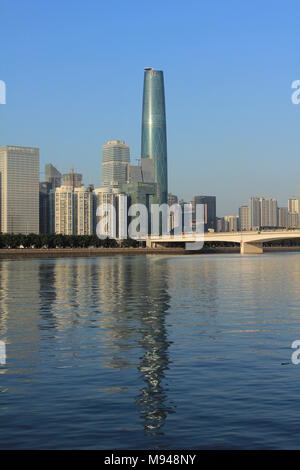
<point>74,76</point>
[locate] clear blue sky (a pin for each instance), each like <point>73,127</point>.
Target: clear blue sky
<point>74,75</point>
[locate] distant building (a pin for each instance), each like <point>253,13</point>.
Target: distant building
<point>231,223</point>
<point>74,180</point>
<point>293,220</point>
<point>19,171</point>
<point>244,218</point>
<point>52,176</point>
<point>262,212</point>
<point>44,209</point>
<point>210,218</point>
<point>254,213</point>
<point>172,199</point>
<point>71,211</point>
<point>293,205</point>
<point>220,224</point>
<point>283,217</point>
<point>114,206</point>
<point>84,207</point>
<point>115,163</point>
<point>268,212</point>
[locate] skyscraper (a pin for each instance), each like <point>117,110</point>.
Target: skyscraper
<point>115,163</point>
<point>19,172</point>
<point>154,134</point>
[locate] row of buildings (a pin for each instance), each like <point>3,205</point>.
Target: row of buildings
<point>262,212</point>
<point>70,208</point>
<point>62,204</point>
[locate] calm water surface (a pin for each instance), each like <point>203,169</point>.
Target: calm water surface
<point>150,352</point>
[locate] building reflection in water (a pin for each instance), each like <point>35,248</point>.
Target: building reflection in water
<point>127,299</point>
<point>134,295</point>
<point>154,304</point>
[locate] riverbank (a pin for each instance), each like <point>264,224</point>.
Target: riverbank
<point>90,252</point>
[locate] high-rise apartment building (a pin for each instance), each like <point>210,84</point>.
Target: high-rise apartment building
<point>283,217</point>
<point>262,212</point>
<point>71,211</point>
<point>244,218</point>
<point>114,210</point>
<point>231,223</point>
<point>84,200</point>
<point>115,163</point>
<point>19,173</point>
<point>154,133</point>
<point>268,212</point>
<point>254,213</point>
<point>293,220</point>
<point>293,205</point>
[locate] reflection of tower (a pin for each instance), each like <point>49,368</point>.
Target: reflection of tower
<point>152,398</point>
<point>154,134</point>
<point>134,300</point>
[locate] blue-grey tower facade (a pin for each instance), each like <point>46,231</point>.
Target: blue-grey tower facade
<point>154,132</point>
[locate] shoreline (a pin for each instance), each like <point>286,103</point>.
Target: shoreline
<point>92,252</point>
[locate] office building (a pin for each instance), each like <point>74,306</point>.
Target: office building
<point>210,218</point>
<point>115,164</point>
<point>52,176</point>
<point>44,209</point>
<point>154,134</point>
<point>19,172</point>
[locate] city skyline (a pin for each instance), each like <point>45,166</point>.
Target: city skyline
<point>229,102</point>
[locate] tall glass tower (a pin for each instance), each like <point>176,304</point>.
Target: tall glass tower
<point>154,134</point>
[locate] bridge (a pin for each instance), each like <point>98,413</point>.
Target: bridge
<point>250,242</point>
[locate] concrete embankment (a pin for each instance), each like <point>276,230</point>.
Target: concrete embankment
<point>90,252</point>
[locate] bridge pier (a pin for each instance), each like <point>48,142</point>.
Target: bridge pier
<point>251,248</point>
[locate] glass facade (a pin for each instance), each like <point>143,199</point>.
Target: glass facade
<point>154,134</point>
<point>115,163</point>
